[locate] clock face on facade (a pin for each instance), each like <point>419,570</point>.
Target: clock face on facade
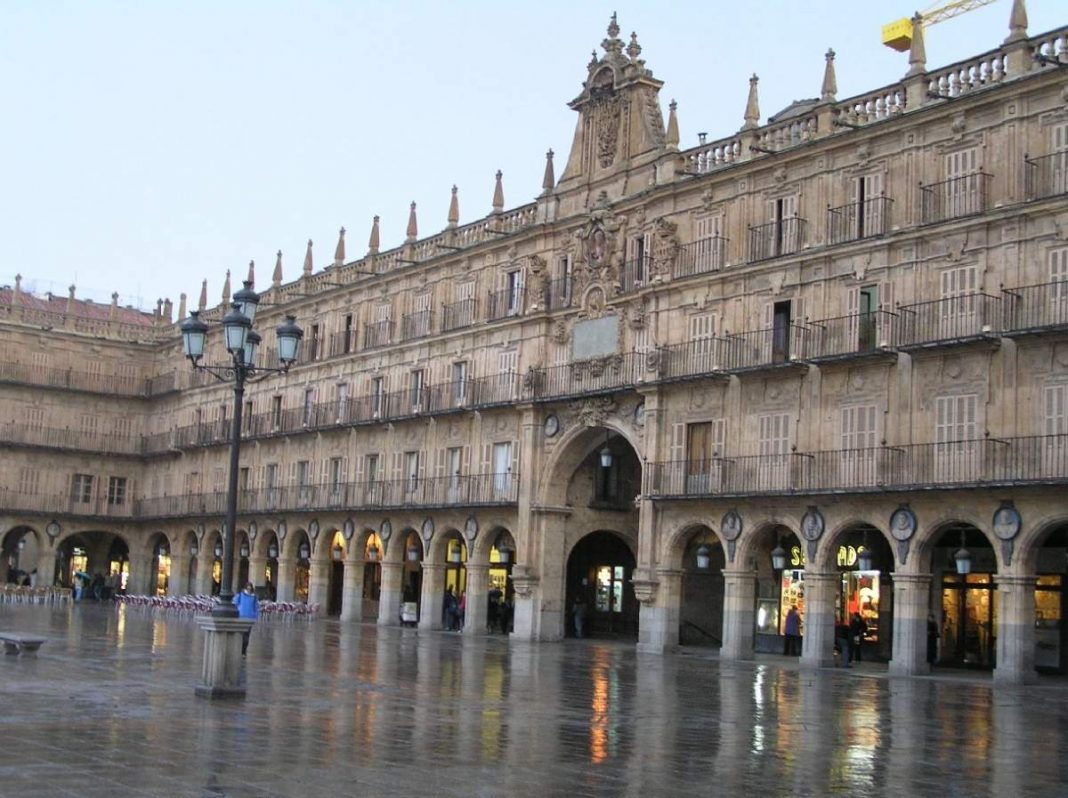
<point>552,426</point>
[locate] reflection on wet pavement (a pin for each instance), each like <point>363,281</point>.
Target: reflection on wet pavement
<point>107,708</point>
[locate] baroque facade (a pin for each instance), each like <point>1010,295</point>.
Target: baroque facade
<point>840,335</point>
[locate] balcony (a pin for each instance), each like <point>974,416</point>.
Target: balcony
<point>379,333</point>
<point>859,220</point>
<point>1034,309</point>
<point>416,325</point>
<point>984,462</point>
<point>955,198</point>
<point>62,504</point>
<point>1046,176</point>
<point>476,490</point>
<point>948,322</point>
<point>635,274</point>
<point>774,347</point>
<point>69,379</point>
<point>498,389</point>
<point>504,304</point>
<point>343,342</point>
<point>459,314</point>
<point>558,294</point>
<point>586,377</point>
<point>691,359</point>
<point>701,257</point>
<point>857,335</point>
<point>70,439</point>
<point>784,237</point>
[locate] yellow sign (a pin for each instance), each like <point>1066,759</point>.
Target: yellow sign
<point>846,556</point>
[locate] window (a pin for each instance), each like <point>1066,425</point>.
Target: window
<point>378,389</point>
<point>453,472</point>
<point>270,484</point>
<point>303,477</point>
<point>955,432</point>
<point>702,340</point>
<point>309,406</point>
<point>502,470</point>
<point>780,319</point>
<point>81,488</point>
<point>773,464</point>
<point>782,234</point>
<point>708,244</point>
<point>868,216</point>
<point>1058,276</point>
<point>562,293</point>
<point>415,389</point>
<point>29,481</point>
<point>315,332</point>
<point>961,192</point>
<point>116,491</point>
<point>336,475</point>
<point>346,341</point>
<point>704,443</point>
<point>371,467</point>
<point>636,270</point>
<point>341,395</point>
<point>243,479</point>
<point>958,287</point>
<point>411,472</point>
<point>514,286</point>
<point>247,421</point>
<point>276,412</point>
<point>858,442</point>
<point>459,382</point>
<point>89,424</point>
<point>421,322</point>
<point>1055,428</point>
<point>507,365</point>
<point>34,417</point>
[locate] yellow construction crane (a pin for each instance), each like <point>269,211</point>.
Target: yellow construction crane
<point>898,35</point>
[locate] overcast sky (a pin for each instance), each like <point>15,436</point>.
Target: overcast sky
<point>148,145</point>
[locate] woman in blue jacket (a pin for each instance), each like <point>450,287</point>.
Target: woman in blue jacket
<point>249,609</point>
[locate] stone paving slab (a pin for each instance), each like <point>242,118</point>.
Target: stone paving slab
<point>107,708</point>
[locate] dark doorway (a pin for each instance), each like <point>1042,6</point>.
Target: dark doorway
<point>600,569</point>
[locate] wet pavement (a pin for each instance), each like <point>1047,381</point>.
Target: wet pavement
<point>107,708</point>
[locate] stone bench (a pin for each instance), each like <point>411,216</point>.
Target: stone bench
<point>18,643</point>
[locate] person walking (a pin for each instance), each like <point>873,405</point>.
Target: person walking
<point>932,639</point>
<point>793,632</point>
<point>249,609</point>
<point>579,613</point>
<point>462,614</point>
<point>841,640</point>
<point>451,610</point>
<point>858,627</point>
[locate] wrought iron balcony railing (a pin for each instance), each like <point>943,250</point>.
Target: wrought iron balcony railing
<point>1034,308</point>
<point>585,377</point>
<point>71,439</point>
<point>558,294</point>
<point>855,335</point>
<point>701,257</point>
<point>1040,459</point>
<point>859,220</point>
<point>416,325</point>
<point>961,196</point>
<point>771,240</point>
<point>459,314</point>
<point>952,320</point>
<point>635,274</point>
<point>503,304</point>
<point>1046,176</point>
<point>379,333</point>
<point>343,342</point>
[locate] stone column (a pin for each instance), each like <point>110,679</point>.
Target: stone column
<point>912,600</point>
<point>739,602</point>
<point>525,611</point>
<point>1016,629</point>
<point>257,571</point>
<point>319,581</point>
<point>389,597</point>
<point>46,565</point>
<point>202,581</point>
<point>177,584</point>
<point>140,583</point>
<point>817,645</point>
<point>352,591</point>
<point>432,602</point>
<point>658,624</point>
<point>476,614</point>
<point>287,575</point>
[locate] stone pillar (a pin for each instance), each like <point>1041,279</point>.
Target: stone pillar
<point>202,581</point>
<point>658,624</point>
<point>287,575</point>
<point>525,610</point>
<point>46,565</point>
<point>222,675</point>
<point>178,583</point>
<point>739,602</point>
<point>389,597</point>
<point>257,571</point>
<point>1016,629</point>
<point>912,600</point>
<point>352,591</point>
<point>817,645</point>
<point>319,581</point>
<point>476,616</point>
<point>140,583</point>
<point>432,602</point>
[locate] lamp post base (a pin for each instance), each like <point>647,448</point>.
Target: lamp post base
<point>221,675</point>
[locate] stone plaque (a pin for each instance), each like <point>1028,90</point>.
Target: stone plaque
<point>595,338</point>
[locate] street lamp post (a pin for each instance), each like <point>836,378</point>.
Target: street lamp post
<point>242,343</point>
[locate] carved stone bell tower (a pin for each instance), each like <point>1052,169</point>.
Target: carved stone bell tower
<point>620,124</point>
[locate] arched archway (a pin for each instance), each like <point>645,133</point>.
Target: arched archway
<point>159,576</point>
<point>335,587</point>
<point>967,613</point>
<point>701,606</point>
<point>102,558</point>
<point>500,598</point>
<point>18,560</point>
<point>302,576</point>
<point>413,552</point>
<point>600,592</point>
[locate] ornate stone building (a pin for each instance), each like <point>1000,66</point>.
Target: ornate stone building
<point>839,336</point>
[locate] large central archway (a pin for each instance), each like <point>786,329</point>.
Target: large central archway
<point>599,587</point>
